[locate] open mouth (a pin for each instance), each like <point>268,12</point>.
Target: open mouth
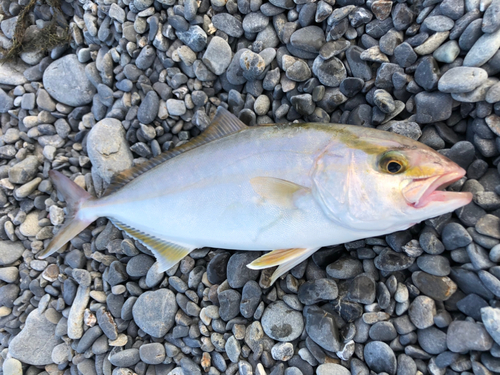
<point>421,192</point>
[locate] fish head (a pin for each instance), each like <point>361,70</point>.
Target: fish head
<point>379,181</point>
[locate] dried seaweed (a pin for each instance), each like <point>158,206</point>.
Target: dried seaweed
<point>50,36</point>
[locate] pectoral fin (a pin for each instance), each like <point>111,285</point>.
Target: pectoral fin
<point>280,192</point>
<point>285,259</point>
<point>167,253</point>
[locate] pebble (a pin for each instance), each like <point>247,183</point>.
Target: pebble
<point>432,106</point>
<point>309,39</point>
<point>483,49</point>
<point>477,337</point>
<point>229,301</point>
<point>462,79</point>
<point>282,323</point>
<point>380,357</point>
<point>148,110</point>
<point>491,18</point>
<point>34,344</point>
<point>154,312</point>
<point>329,72</point>
<point>422,311</point>
<point>107,148</point>
<point>489,317</point>
<point>75,318</point>
<point>217,56</point>
<point>239,273</point>
<point>344,268</point>
<point>331,368</point>
<point>66,81</point>
<point>312,292</point>
<point>322,328</point>
<point>10,252</point>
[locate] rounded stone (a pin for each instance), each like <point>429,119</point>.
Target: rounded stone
<point>154,312</point>
<point>66,81</point>
<point>462,79</point>
<point>282,323</point>
<point>380,357</point>
<point>108,149</point>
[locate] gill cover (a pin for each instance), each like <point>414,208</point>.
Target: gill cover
<point>345,186</point>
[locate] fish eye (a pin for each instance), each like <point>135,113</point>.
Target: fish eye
<point>394,166</point>
<point>393,163</point>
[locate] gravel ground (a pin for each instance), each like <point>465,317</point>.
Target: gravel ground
<point>143,76</point>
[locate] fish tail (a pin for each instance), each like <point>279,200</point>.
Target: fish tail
<point>76,220</point>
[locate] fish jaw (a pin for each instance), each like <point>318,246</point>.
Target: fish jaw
<point>428,194</point>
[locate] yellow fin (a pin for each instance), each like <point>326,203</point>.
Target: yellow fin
<point>224,123</point>
<point>275,258</point>
<point>167,253</point>
<point>277,191</point>
<point>286,259</point>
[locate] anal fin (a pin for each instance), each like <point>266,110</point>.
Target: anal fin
<point>167,253</point>
<point>285,259</point>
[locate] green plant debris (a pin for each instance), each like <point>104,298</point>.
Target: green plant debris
<point>50,36</point>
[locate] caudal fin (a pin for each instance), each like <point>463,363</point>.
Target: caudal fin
<point>74,196</point>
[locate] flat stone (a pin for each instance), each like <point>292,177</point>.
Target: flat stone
<point>462,79</point>
<point>12,73</point>
<point>322,328</point>
<point>66,81</point>
<point>476,334</point>
<point>154,312</point>
<point>34,344</point>
<point>490,317</point>
<point>282,323</point>
<point>217,56</point>
<point>331,72</point>
<point>380,357</point>
<point>491,17</point>
<point>108,149</point>
<point>433,106</point>
<point>483,50</point>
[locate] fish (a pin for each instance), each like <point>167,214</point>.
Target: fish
<point>288,190</point>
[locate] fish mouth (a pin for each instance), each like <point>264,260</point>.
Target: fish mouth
<point>422,191</point>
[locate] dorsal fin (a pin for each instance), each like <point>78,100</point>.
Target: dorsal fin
<point>223,124</point>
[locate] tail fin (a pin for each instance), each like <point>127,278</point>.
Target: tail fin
<point>74,196</point>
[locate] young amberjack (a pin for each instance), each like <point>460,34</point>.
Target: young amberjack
<point>289,189</point>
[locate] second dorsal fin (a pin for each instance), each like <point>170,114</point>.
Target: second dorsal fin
<point>223,124</point>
